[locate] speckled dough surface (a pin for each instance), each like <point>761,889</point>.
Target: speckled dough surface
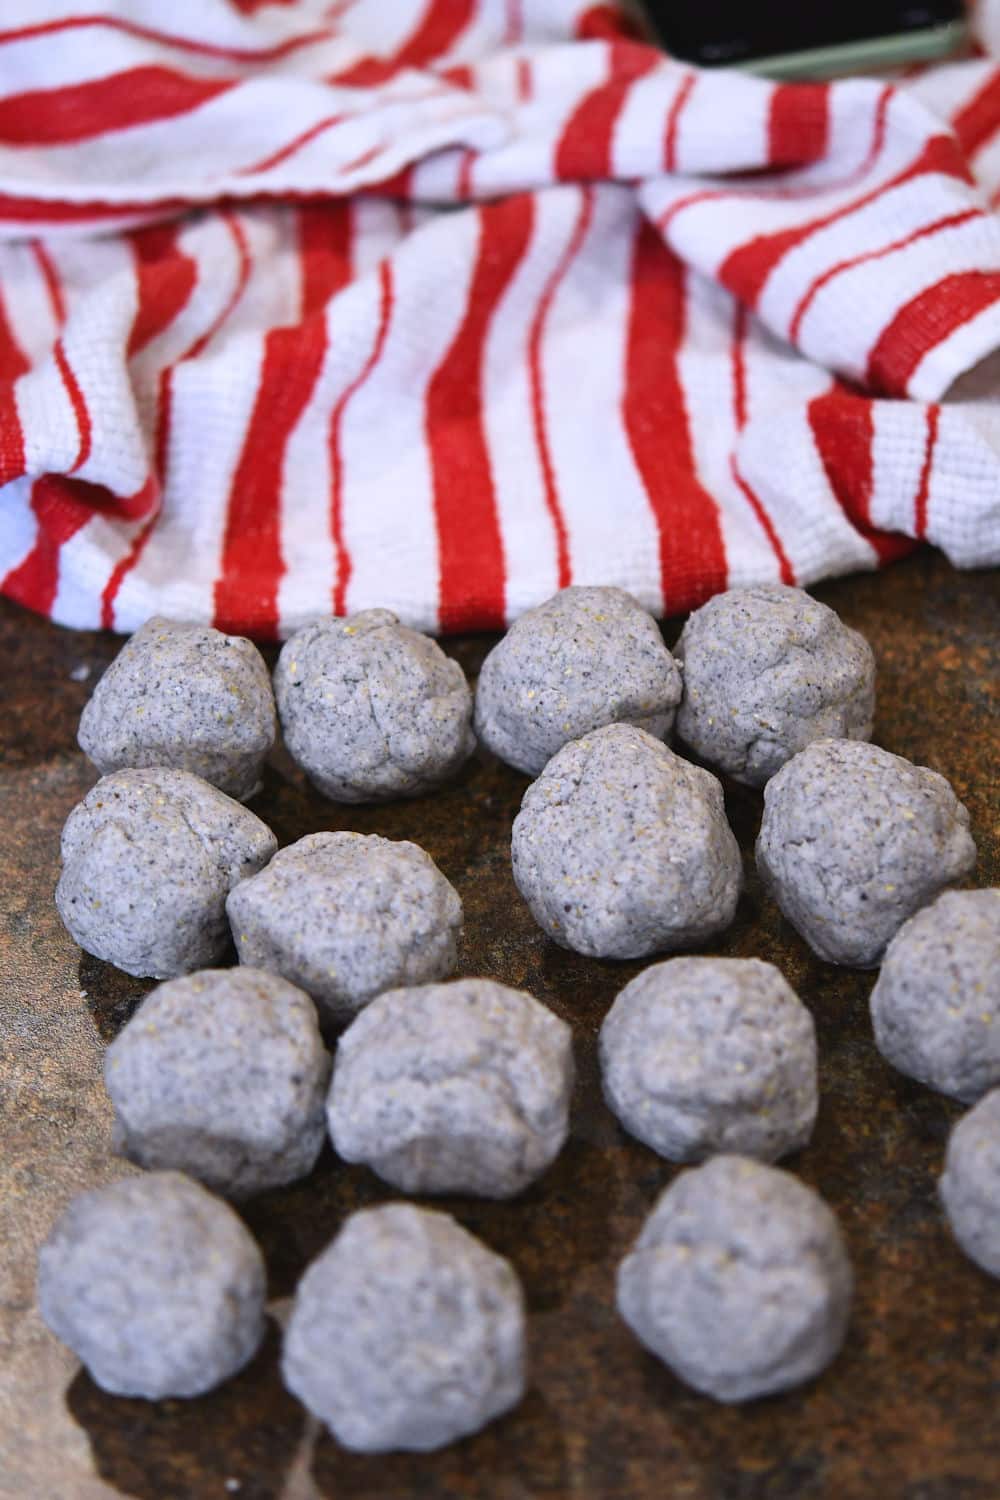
<point>348,915</point>
<point>936,1005</point>
<point>222,1075</point>
<point>453,1088</point>
<point>155,1285</point>
<point>767,670</point>
<point>406,1333</point>
<point>148,859</point>
<point>372,710</point>
<point>970,1183</point>
<point>739,1280</point>
<point>706,1055</point>
<point>184,696</point>
<point>855,840</point>
<point>621,848</point>
<point>585,658</point>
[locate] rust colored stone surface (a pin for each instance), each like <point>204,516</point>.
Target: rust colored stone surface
<point>909,1411</point>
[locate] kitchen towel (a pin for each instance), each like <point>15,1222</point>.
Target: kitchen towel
<point>440,305</point>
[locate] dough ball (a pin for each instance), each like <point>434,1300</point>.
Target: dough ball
<point>453,1088</point>
<point>222,1075</point>
<point>855,840</point>
<point>585,658</point>
<point>184,696</point>
<point>970,1183</point>
<point>155,1285</point>
<point>406,1333</point>
<point>622,849</point>
<point>148,859</point>
<point>739,1280</point>
<point>371,710</point>
<point>766,671</point>
<point>707,1055</point>
<point>347,915</point>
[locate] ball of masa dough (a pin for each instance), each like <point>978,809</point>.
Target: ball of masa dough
<point>853,841</point>
<point>453,1088</point>
<point>347,915</point>
<point>371,710</point>
<point>706,1055</point>
<point>936,1005</point>
<point>621,848</point>
<point>766,671</point>
<point>585,658</point>
<point>970,1183</point>
<point>406,1333</point>
<point>222,1075</point>
<point>739,1280</point>
<point>155,1285</point>
<point>148,859</point>
<point>184,696</point>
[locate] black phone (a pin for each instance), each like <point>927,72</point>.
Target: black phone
<point>805,39</point>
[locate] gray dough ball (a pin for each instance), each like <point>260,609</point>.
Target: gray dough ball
<point>453,1088</point>
<point>348,915</point>
<point>222,1075</point>
<point>371,710</point>
<point>739,1280</point>
<point>766,671</point>
<point>622,849</point>
<point>149,857</point>
<point>406,1333</point>
<point>936,1006</point>
<point>585,658</point>
<point>970,1183</point>
<point>155,1285</point>
<point>707,1055</point>
<point>853,841</point>
<point>184,696</point>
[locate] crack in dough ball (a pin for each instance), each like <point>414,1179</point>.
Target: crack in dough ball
<point>936,1005</point>
<point>347,915</point>
<point>621,848</point>
<point>371,710</point>
<point>453,1088</point>
<point>406,1333</point>
<point>739,1280</point>
<point>222,1075</point>
<point>766,671</point>
<point>184,696</point>
<point>155,1285</point>
<point>707,1055</point>
<point>855,840</point>
<point>585,658</point>
<point>148,859</point>
<point>970,1183</point>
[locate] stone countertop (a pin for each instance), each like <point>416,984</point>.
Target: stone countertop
<point>909,1410</point>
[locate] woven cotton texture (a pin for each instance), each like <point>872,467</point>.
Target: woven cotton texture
<point>443,304</point>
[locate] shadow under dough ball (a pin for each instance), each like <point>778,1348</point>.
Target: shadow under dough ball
<point>621,848</point>
<point>585,658</point>
<point>148,859</point>
<point>184,696</point>
<point>767,670</point>
<point>406,1333</point>
<point>453,1088</point>
<point>970,1183</point>
<point>347,915</point>
<point>222,1075</point>
<point>155,1285</point>
<point>936,1004</point>
<point>372,710</point>
<point>706,1055</point>
<point>853,841</point>
<point>739,1280</point>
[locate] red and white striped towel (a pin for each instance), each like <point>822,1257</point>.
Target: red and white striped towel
<point>442,304</point>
